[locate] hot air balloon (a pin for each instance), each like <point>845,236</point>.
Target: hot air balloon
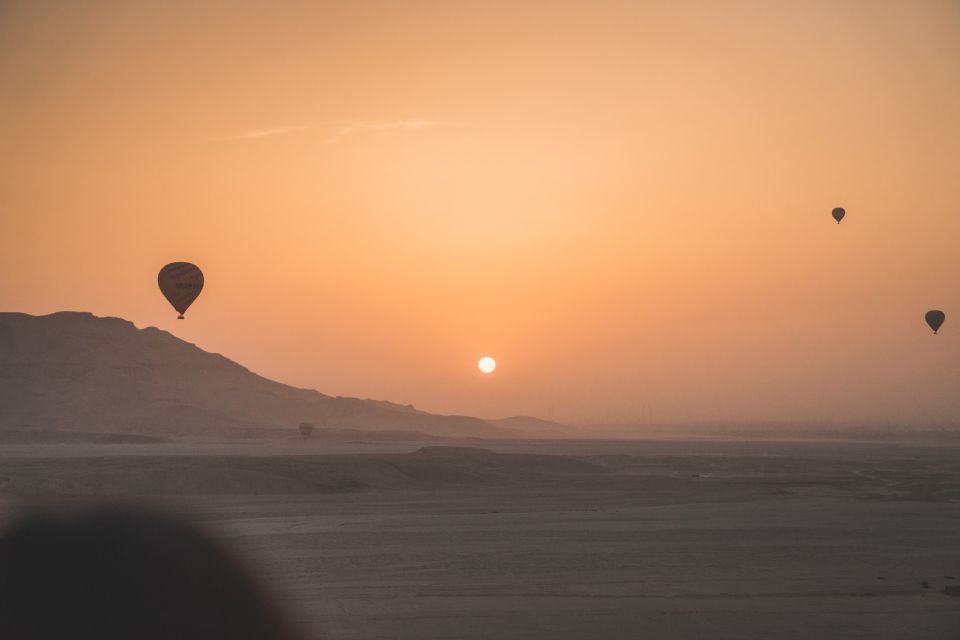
<point>935,318</point>
<point>838,214</point>
<point>180,283</point>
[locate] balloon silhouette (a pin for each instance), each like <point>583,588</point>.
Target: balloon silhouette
<point>935,318</point>
<point>838,214</point>
<point>180,283</point>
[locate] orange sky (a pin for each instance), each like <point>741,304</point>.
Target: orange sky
<point>626,203</point>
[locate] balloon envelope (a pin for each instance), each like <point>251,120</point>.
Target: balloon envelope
<point>838,214</point>
<point>180,283</point>
<point>935,318</point>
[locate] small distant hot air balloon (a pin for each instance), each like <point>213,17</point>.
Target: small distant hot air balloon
<point>180,283</point>
<point>935,318</point>
<point>838,214</point>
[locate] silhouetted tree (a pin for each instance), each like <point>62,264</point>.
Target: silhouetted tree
<point>306,428</point>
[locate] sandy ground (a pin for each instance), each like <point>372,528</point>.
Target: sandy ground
<point>628,540</point>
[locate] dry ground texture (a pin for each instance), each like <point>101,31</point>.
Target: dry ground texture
<point>556,539</point>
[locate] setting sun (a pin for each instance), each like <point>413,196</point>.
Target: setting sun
<point>487,364</point>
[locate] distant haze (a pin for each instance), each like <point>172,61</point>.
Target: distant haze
<point>627,204</point>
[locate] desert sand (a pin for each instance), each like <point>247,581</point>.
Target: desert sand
<point>555,539</point>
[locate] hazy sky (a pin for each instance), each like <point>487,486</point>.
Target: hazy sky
<point>626,203</point>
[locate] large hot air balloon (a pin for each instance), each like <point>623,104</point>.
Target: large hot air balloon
<point>180,283</point>
<point>838,214</point>
<point>935,318</point>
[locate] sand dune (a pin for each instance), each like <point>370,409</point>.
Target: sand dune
<point>431,467</point>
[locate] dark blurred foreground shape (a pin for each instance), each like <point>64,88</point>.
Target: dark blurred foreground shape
<point>117,573</point>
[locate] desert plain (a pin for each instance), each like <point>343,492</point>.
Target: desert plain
<point>563,539</point>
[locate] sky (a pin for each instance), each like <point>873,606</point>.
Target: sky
<point>627,204</point>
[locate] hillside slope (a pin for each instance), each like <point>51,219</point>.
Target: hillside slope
<point>78,372</point>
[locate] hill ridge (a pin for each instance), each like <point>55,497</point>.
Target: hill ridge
<point>75,371</point>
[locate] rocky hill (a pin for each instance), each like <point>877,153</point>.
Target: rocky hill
<point>74,371</point>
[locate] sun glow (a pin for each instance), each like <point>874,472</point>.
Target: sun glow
<point>487,364</point>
